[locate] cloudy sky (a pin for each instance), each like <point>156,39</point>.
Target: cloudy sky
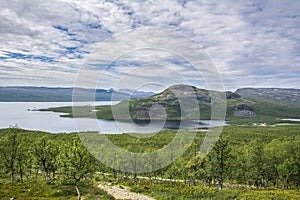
<point>251,43</point>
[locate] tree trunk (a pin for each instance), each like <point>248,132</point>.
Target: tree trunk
<point>12,172</point>
<point>21,174</point>
<point>78,192</point>
<point>287,184</point>
<point>47,177</point>
<point>53,174</point>
<point>220,183</point>
<point>30,171</point>
<point>135,177</point>
<point>12,177</point>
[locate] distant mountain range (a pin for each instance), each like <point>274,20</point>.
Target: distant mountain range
<point>246,105</point>
<point>275,95</point>
<point>46,94</point>
<point>243,105</point>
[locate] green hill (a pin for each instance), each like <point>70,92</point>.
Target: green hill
<point>241,108</point>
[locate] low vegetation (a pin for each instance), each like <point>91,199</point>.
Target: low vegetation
<point>37,189</point>
<point>246,163</point>
<point>183,191</point>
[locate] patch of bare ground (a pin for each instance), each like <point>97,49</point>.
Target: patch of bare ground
<point>122,192</point>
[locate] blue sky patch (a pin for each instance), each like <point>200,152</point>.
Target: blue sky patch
<point>20,56</point>
<point>61,28</point>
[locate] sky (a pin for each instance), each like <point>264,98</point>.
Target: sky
<point>251,43</point>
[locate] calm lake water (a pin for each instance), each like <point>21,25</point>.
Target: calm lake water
<point>21,113</point>
<point>292,120</point>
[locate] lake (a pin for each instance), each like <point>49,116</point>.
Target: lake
<point>292,120</point>
<point>22,114</point>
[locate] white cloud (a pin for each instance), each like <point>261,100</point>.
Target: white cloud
<point>255,40</point>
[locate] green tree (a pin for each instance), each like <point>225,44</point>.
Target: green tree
<point>288,168</point>
<point>9,151</point>
<point>295,153</point>
<point>256,163</point>
<point>175,169</point>
<point>284,161</point>
<point>23,159</point>
<point>238,165</point>
<point>46,153</point>
<point>196,169</point>
<point>76,164</point>
<point>218,164</point>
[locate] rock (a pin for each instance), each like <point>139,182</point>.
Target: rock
<point>242,107</point>
<point>243,110</point>
<point>244,113</point>
<point>231,95</point>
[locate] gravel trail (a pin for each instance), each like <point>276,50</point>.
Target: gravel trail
<point>122,192</point>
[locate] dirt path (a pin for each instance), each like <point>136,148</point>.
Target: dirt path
<point>122,192</point>
<point>228,185</point>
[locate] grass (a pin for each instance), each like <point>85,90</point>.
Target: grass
<point>40,190</point>
<point>266,113</point>
<point>182,191</point>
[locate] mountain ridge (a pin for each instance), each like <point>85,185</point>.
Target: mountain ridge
<point>61,94</point>
<point>284,96</point>
<point>259,105</point>
<point>240,109</point>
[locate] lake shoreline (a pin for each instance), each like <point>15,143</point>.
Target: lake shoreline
<point>25,115</point>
